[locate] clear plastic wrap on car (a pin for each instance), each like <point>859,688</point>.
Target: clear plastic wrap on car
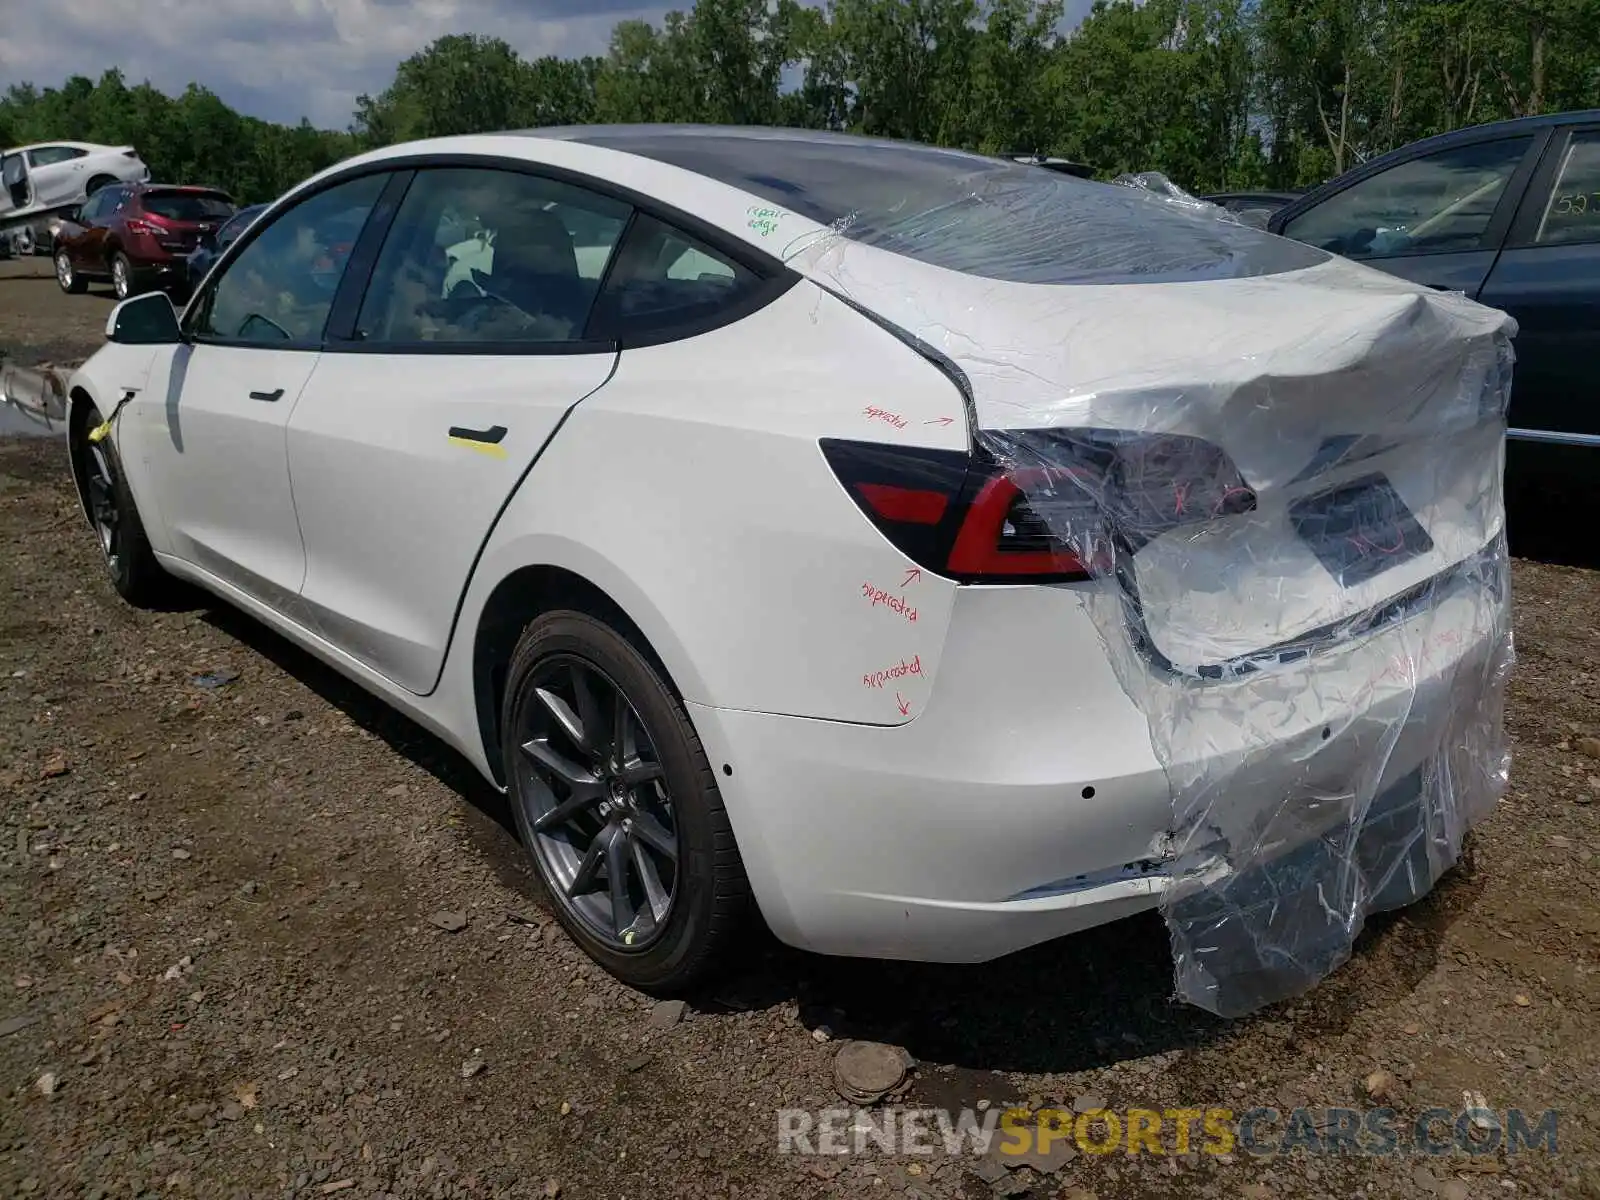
<point>1283,473</point>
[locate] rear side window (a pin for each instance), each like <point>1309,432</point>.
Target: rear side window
<point>1573,212</point>
<point>188,206</point>
<point>477,255</point>
<point>665,280</point>
<point>48,156</point>
<point>983,216</point>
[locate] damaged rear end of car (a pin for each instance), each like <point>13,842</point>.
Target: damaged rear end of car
<point>1281,477</point>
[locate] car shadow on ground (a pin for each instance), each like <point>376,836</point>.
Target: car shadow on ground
<point>1091,1000</point>
<point>1552,498</point>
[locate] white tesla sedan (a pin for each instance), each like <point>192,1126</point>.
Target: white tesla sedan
<point>942,553</point>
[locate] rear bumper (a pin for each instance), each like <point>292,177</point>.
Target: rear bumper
<point>1027,801</point>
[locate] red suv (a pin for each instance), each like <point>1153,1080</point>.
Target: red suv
<point>136,235</point>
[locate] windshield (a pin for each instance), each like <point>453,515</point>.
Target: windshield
<point>188,206</point>
<point>966,212</point>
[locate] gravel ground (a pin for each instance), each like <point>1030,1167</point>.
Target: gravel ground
<point>226,971</point>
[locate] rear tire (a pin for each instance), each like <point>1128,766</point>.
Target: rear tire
<point>685,905</point>
<point>123,284</point>
<point>113,515</point>
<point>98,182</point>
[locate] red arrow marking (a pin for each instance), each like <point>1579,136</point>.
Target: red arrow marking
<point>940,421</point>
<point>905,705</point>
<point>912,575</point>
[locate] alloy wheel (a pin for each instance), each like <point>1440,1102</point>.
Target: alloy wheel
<point>64,271</point>
<point>103,506</point>
<point>595,799</point>
<point>119,277</point>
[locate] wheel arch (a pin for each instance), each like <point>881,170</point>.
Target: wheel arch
<point>527,591</point>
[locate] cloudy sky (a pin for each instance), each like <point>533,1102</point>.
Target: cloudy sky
<point>281,59</point>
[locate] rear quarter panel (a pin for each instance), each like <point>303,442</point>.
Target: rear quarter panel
<point>692,489</point>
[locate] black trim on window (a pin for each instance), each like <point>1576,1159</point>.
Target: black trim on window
<point>346,308</point>
<point>776,276</point>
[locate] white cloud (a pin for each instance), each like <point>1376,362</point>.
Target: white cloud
<point>283,60</point>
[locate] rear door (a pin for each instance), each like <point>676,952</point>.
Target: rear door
<point>435,395</point>
<point>1548,278</point>
<point>1437,218</point>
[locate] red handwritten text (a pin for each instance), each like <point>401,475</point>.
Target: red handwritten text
<point>895,604</point>
<point>873,413</point>
<point>1404,668</point>
<point>877,679</point>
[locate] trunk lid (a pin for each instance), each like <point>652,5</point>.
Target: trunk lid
<point>1363,413</point>
<point>185,218</point>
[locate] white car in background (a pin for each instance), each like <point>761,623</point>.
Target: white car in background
<point>946,554</point>
<point>40,180</point>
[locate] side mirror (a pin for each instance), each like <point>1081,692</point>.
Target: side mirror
<point>148,320</point>
<point>73,214</point>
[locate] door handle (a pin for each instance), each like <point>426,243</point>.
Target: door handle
<point>484,441</point>
<point>267,396</point>
<point>493,435</point>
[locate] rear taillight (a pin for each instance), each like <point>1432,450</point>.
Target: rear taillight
<point>140,225</point>
<point>1038,506</point>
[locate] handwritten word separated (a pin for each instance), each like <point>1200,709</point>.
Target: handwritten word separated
<point>878,678</point>
<point>763,220</point>
<point>895,604</point>
<point>873,413</point>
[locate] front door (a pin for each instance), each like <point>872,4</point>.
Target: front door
<point>1436,219</point>
<point>215,414</point>
<point>463,359</point>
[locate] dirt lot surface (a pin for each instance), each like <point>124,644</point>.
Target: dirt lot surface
<point>225,972</point>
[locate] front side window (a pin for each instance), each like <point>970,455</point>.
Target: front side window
<point>281,287</point>
<point>478,255</point>
<point>49,156</point>
<point>1438,203</point>
<point>665,279</point>
<point>1572,213</point>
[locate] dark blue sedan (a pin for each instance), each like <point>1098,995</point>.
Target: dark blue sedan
<point>210,249</point>
<point>1508,213</point>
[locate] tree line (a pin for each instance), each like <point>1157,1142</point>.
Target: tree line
<point>1218,94</point>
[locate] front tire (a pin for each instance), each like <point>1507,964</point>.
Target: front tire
<point>618,807</point>
<point>71,282</point>
<point>135,573</point>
